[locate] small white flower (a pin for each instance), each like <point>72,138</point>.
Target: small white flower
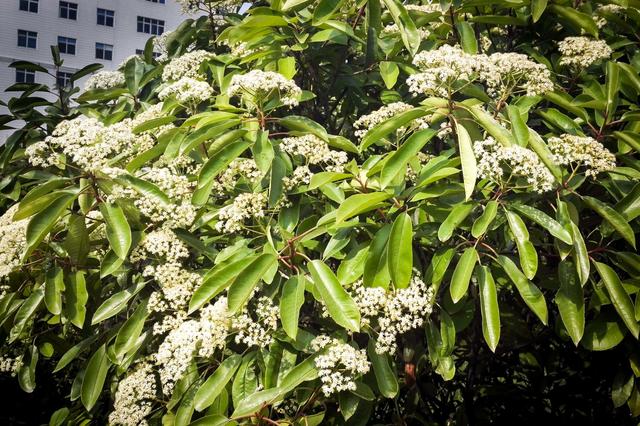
<point>187,65</point>
<point>105,80</point>
<point>582,151</point>
<point>315,151</point>
<point>258,86</point>
<point>187,91</point>
<point>339,365</point>
<point>581,52</point>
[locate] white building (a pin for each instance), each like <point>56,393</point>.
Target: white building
<point>86,31</point>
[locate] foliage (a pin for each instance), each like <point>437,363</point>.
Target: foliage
<point>332,212</point>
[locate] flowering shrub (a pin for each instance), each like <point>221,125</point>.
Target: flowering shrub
<point>317,211</point>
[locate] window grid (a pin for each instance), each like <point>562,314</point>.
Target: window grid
<point>155,55</point>
<point>104,51</point>
<point>156,1</point>
<point>68,10</point>
<point>63,79</point>
<point>27,39</point>
<point>150,25</point>
<point>29,5</point>
<point>67,45</point>
<point>105,17</point>
<point>25,76</point>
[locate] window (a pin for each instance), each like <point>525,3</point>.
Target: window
<point>157,1</point>
<point>67,45</point>
<point>27,39</point>
<point>63,79</point>
<point>105,17</point>
<point>141,52</point>
<point>29,5</point>
<point>104,51</point>
<point>68,10</point>
<point>25,76</point>
<point>150,25</point>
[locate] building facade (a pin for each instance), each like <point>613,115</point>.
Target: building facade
<point>86,31</point>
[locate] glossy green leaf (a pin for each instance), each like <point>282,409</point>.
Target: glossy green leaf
<point>537,9</point>
<point>41,224</point>
<point>570,301</point>
<point>468,160</point>
<point>339,303</point>
<point>130,331</point>
<point>400,251</point>
<point>408,31</point>
<point>25,313</point>
<point>544,220</point>
<point>376,269</point>
<point>462,274</point>
<point>621,300</point>
<point>290,303</point>
<point>94,377</point>
<point>616,220</point>
<point>242,287</point>
<point>526,250</point>
<point>118,230</point>
<point>360,203</point>
<point>489,307</point>
<point>53,288</point>
<point>457,215</point>
<point>531,294</point>
<point>385,376</point>
<point>213,386</point>
<point>398,161</point>
<point>482,223</point>
<point>76,298</point>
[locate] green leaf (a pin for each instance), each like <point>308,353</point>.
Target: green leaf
<point>220,161</point>
<point>602,334</point>
<point>623,385</point>
<point>360,203</point>
<point>392,124</point>
<point>457,215</point>
<point>339,303</point>
<point>577,19</point>
<point>519,127</point>
<point>439,265</point>
<point>468,160</point>
<point>619,297</point>
<point>25,313</point>
<point>36,200</point>
<point>213,386</point>
<point>389,72</point>
<point>616,220</point>
<point>482,223</point>
<point>325,10</point>
<point>216,281</point>
<point>263,151</point>
<point>462,274</point>
<point>94,376</point>
<point>545,221</point>
<point>291,301</point>
<point>76,298</point>
<point>26,65</point>
<point>526,250</point>
<point>531,294</point>
<point>612,86</point>
<point>76,242</point>
<point>397,161</point>
<point>408,31</point>
<point>376,269</point>
<point>118,230</point>
<point>133,71</point>
<point>130,331</point>
<point>400,251</point>
<point>489,307</point>
<point>385,376</point>
<point>53,287</point>
<point>570,301</point>
<point>42,223</point>
<point>89,69</point>
<point>467,37</point>
<point>246,281</point>
<point>539,147</point>
<point>116,303</point>
<point>537,9</point>
<point>153,124</point>
<point>305,125</point>
<point>145,188</point>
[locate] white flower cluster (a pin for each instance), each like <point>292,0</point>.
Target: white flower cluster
<point>393,29</point>
<point>521,162</point>
<point>258,86</point>
<point>424,8</point>
<point>105,80</point>
<point>10,365</point>
<point>219,6</point>
<point>582,151</point>
<point>506,72</point>
<point>176,287</point>
<point>610,8</point>
<point>192,338</point>
<point>369,121</point>
<point>440,69</point>
<point>581,52</point>
<point>179,213</point>
<point>396,311</point>
<point>301,176</point>
<point>161,243</point>
<point>339,364</point>
<point>13,241</point>
<point>239,168</point>
<point>88,143</point>
<point>258,331</point>
<point>152,112</point>
<point>134,397</point>
<point>187,65</point>
<point>315,151</point>
<point>187,91</point>
<point>421,160</point>
<point>160,46</point>
<point>245,206</point>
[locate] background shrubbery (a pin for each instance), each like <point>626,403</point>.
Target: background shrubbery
<point>329,212</point>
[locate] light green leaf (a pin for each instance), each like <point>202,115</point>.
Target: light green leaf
<point>531,294</point>
<point>482,223</point>
<point>116,303</point>
<point>76,298</point>
<point>242,287</point>
<point>526,250</point>
<point>42,223</point>
<point>213,386</point>
<point>53,288</point>
<point>130,331</point>
<point>616,220</point>
<point>462,274</point>
<point>457,215</point>
<point>385,376</point>
<point>25,313</point>
<point>544,220</point>
<point>360,203</point>
<point>291,301</point>
<point>400,251</point>
<point>118,230</point>
<point>339,303</point>
<point>468,160</point>
<point>94,376</point>
<point>537,9</point>
<point>489,308</point>
<point>570,301</point>
<point>408,31</point>
<point>468,37</point>
<point>389,72</point>
<point>619,297</point>
<point>397,162</point>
